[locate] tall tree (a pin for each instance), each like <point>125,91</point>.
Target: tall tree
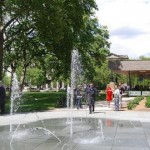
<point>1,37</point>
<point>34,29</point>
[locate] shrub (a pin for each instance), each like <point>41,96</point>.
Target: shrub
<point>147,104</point>
<point>132,104</point>
<point>61,102</point>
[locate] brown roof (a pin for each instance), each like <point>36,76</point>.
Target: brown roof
<point>129,65</point>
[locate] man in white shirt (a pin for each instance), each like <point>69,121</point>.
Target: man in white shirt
<point>116,98</point>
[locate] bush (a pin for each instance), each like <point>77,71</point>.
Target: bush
<point>132,104</point>
<point>61,102</point>
<point>147,104</point>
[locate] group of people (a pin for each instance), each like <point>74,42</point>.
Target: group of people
<point>89,95</point>
<point>115,94</point>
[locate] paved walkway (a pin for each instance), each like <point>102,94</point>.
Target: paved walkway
<point>63,129</point>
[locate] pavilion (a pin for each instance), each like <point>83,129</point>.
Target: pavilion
<point>120,64</point>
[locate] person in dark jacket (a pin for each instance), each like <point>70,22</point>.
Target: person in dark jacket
<point>91,92</point>
<point>2,98</point>
<point>78,97</point>
<point>121,89</point>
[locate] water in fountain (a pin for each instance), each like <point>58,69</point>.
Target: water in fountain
<point>79,131</point>
<point>15,103</point>
<point>15,97</point>
<point>76,71</point>
<point>86,131</point>
<point>76,75</point>
<point>68,104</point>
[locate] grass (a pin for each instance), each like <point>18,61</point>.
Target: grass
<point>41,101</point>
<point>37,101</point>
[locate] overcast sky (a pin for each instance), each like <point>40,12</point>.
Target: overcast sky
<point>128,22</point>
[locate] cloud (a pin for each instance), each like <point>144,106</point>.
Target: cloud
<point>128,23</point>
<point>133,47</point>
<point>127,32</point>
<point>147,54</point>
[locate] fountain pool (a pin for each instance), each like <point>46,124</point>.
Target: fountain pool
<point>54,134</point>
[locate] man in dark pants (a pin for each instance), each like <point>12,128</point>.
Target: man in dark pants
<point>2,98</point>
<point>91,92</point>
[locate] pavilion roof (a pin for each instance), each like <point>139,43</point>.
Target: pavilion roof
<point>138,67</point>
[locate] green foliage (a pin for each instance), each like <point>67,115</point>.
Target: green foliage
<point>133,103</point>
<point>147,104</point>
<point>144,58</point>
<point>102,75</point>
<point>6,81</point>
<point>43,33</point>
<point>102,97</point>
<point>35,76</point>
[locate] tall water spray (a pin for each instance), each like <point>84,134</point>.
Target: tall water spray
<point>15,96</point>
<point>75,77</point>
<point>76,71</point>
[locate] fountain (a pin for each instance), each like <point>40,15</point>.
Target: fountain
<point>76,73</point>
<point>75,76</point>
<point>15,95</point>
<point>15,99</point>
<point>53,134</point>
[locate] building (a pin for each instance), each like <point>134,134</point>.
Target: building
<point>120,64</point>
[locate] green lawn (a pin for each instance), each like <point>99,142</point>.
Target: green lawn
<point>38,101</point>
<point>42,101</point>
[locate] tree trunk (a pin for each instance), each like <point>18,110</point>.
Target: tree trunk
<point>13,70</point>
<point>1,40</point>
<point>23,78</point>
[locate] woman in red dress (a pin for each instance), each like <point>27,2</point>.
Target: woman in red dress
<point>109,94</point>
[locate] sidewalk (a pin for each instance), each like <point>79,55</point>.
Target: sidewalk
<point>103,104</point>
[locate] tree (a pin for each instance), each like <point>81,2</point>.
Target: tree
<point>35,77</point>
<point>1,37</point>
<point>144,58</point>
<point>39,32</point>
<point>93,45</point>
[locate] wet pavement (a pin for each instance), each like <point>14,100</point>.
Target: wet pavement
<point>61,129</point>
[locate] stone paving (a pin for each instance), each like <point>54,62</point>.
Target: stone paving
<point>63,129</point>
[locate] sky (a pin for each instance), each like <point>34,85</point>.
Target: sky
<point>128,23</point>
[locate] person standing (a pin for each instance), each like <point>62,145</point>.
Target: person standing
<point>91,92</point>
<point>109,95</point>
<point>78,97</point>
<point>116,98</point>
<point>121,89</point>
<point>2,98</point>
